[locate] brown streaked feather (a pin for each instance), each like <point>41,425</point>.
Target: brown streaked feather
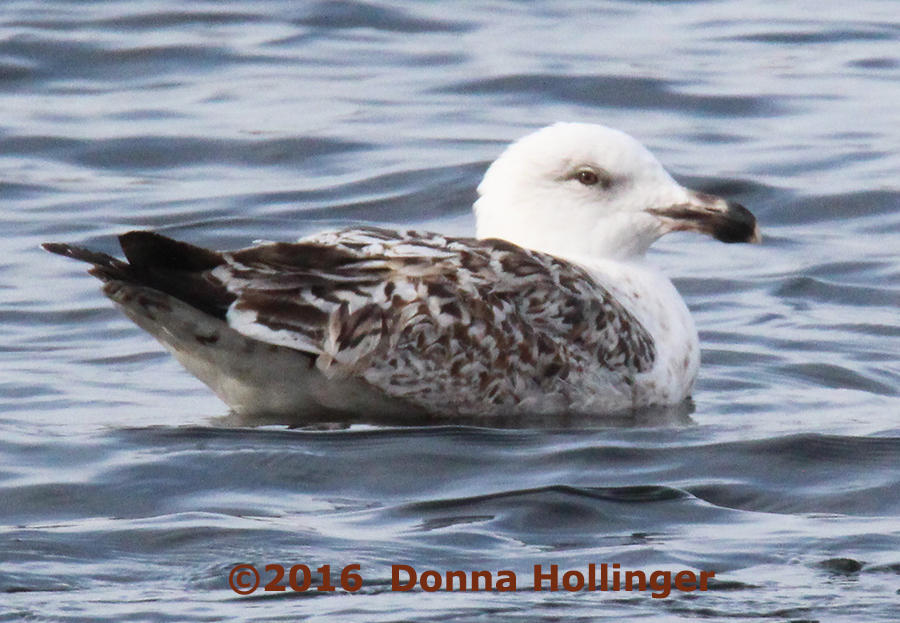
<point>450,324</point>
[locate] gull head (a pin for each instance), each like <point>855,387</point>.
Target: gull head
<point>586,190</point>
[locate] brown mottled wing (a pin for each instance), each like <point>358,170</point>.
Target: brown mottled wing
<point>452,324</point>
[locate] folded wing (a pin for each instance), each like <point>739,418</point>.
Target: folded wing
<point>447,323</point>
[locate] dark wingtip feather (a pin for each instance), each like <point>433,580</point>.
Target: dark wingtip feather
<point>60,248</point>
<point>147,249</point>
<point>83,255</point>
<point>171,267</point>
<point>53,247</point>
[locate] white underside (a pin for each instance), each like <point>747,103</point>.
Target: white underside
<point>252,377</point>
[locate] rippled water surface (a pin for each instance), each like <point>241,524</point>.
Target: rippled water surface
<point>126,495</point>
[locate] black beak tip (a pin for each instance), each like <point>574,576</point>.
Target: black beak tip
<point>739,226</point>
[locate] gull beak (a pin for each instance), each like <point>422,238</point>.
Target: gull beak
<point>727,221</point>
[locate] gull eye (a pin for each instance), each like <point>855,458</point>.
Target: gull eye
<point>587,177</point>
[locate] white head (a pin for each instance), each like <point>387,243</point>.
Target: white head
<point>585,190</point>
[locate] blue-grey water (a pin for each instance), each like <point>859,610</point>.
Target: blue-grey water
<point>126,495</point>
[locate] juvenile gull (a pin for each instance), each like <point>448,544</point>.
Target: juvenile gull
<point>551,309</point>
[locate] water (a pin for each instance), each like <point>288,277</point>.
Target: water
<point>125,495</point>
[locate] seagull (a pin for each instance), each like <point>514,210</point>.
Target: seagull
<point>552,309</point>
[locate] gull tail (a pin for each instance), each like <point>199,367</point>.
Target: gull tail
<point>154,261</point>
<point>165,287</point>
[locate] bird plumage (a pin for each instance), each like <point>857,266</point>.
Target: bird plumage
<point>551,310</point>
